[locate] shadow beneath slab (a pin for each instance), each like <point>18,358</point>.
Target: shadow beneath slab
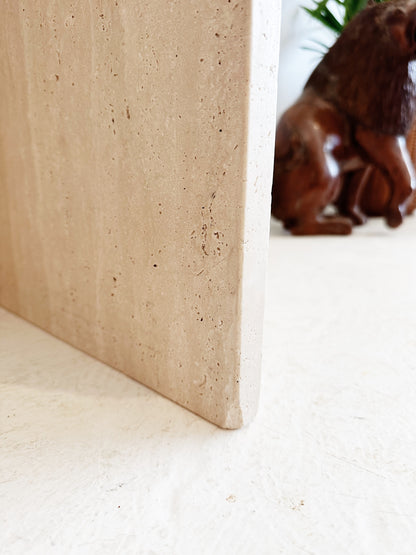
<point>45,382</point>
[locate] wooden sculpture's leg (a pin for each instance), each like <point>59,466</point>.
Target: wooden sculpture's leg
<point>323,225</point>
<point>349,201</point>
<point>305,214</point>
<point>389,154</point>
<point>300,196</point>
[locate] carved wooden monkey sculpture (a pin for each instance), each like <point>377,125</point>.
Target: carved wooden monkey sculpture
<point>356,106</point>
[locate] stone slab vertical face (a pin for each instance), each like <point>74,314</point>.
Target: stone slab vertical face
<point>136,152</point>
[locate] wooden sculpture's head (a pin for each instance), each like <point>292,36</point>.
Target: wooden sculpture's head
<point>370,72</point>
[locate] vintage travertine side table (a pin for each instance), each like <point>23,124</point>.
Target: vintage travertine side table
<point>136,154</point>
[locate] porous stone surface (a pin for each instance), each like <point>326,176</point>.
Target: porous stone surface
<point>136,151</point>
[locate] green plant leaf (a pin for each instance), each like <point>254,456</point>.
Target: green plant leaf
<point>352,7</point>
<point>349,8</point>
<point>326,18</point>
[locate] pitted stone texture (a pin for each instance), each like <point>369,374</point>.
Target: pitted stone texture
<point>125,166</point>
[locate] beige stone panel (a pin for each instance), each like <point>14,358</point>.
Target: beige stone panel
<point>125,166</point>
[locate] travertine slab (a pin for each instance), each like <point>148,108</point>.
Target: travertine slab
<point>136,151</point>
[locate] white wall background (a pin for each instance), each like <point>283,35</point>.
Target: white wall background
<point>299,31</point>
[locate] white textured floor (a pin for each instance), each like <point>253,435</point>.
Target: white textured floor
<point>93,463</point>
